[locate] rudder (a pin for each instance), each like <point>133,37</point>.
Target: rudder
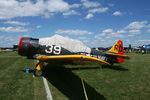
<point>118,49</point>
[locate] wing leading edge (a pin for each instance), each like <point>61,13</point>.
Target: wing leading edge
<point>71,57</point>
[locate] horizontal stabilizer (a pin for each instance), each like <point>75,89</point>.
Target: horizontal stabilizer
<point>123,56</point>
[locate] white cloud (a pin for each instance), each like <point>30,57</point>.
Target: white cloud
<point>121,31</point>
<point>98,10</point>
<point>98,36</point>
<point>134,28</point>
<point>88,4</point>
<point>108,30</point>
<point>102,34</point>
<point>75,5</point>
<point>85,41</point>
<point>148,31</point>
<point>16,23</point>
<point>109,33</point>
<point>148,26</point>
<point>48,15</point>
<point>57,6</point>
<point>89,16</point>
<point>71,12</point>
<point>8,41</point>
<point>130,35</point>
<point>105,43</point>
<point>82,38</point>
<point>14,8</point>
<point>115,35</point>
<point>134,32</point>
<point>73,32</point>
<point>143,40</point>
<point>117,13</point>
<point>13,29</point>
<point>136,25</point>
<point>38,26</point>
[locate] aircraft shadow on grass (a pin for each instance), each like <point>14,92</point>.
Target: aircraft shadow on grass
<point>114,67</point>
<point>68,83</point>
<point>83,68</point>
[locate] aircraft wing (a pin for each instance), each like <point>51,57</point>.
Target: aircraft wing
<point>71,57</point>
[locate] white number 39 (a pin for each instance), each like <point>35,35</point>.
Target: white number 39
<point>53,49</point>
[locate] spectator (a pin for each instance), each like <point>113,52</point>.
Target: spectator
<point>142,51</point>
<point>146,51</point>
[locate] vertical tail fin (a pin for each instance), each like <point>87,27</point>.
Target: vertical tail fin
<point>118,49</point>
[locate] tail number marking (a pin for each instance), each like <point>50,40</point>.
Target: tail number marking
<point>53,49</point>
<point>120,48</point>
<point>116,48</point>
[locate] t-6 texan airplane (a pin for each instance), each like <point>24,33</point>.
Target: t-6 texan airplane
<point>59,48</point>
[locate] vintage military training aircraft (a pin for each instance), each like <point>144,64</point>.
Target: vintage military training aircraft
<point>59,48</point>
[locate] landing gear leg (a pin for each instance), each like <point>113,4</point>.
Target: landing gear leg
<point>38,71</point>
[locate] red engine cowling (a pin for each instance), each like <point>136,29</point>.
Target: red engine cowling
<point>28,46</point>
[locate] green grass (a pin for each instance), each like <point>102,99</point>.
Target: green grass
<point>15,84</point>
<point>126,81</point>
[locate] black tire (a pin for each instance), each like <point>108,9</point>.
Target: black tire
<point>38,72</point>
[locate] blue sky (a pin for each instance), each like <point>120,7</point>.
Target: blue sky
<point>97,23</point>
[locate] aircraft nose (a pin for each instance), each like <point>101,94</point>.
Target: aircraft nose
<point>28,46</point>
<point>20,46</point>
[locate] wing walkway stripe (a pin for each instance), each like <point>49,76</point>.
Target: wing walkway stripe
<point>48,92</point>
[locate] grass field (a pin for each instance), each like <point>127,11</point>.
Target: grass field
<point>126,81</point>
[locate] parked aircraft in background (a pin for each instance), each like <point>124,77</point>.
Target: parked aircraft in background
<point>58,48</point>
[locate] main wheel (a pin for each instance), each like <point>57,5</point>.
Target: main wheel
<point>38,72</point>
